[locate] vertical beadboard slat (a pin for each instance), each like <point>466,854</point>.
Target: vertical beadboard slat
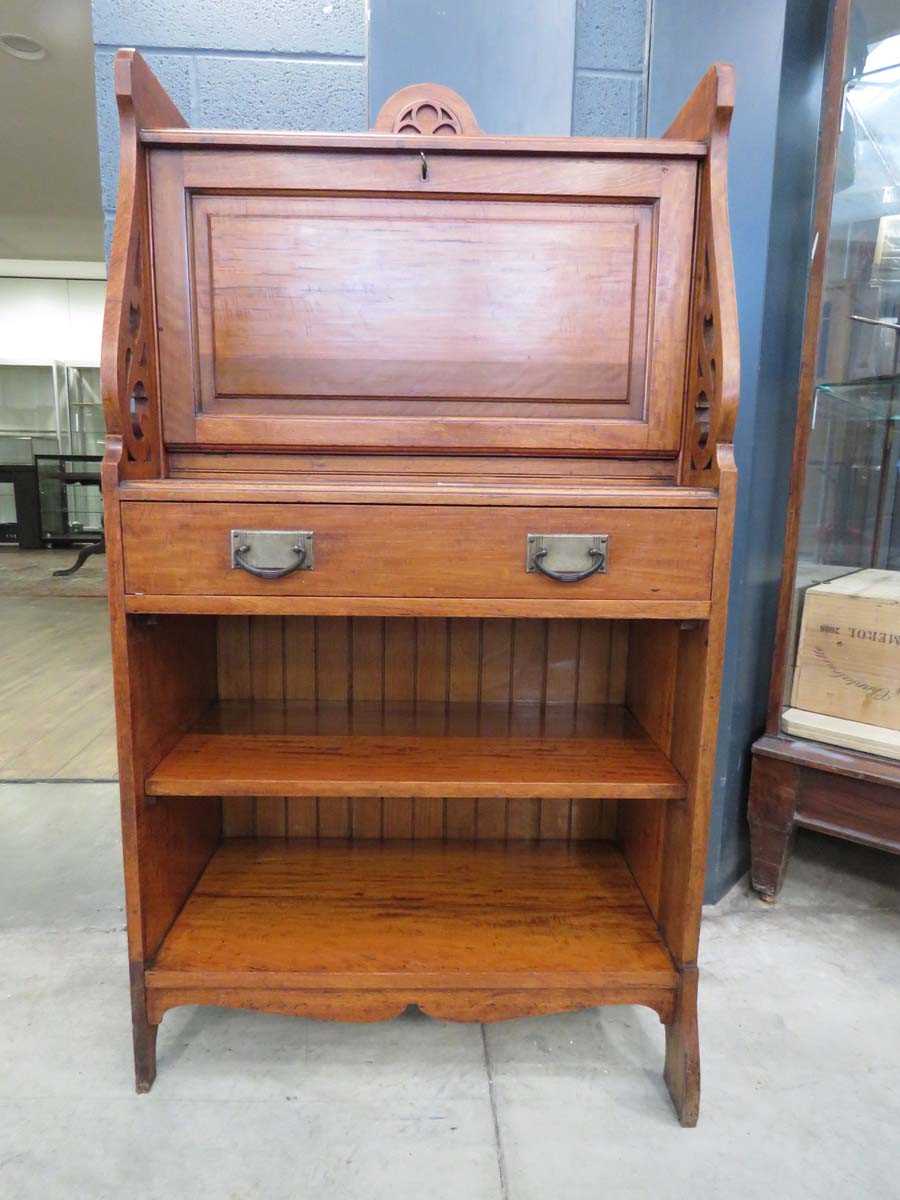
<point>496,679</point>
<point>300,684</point>
<point>267,683</point>
<point>431,686</point>
<point>367,684</point>
<point>233,640</point>
<point>618,662</point>
<point>399,685</point>
<point>529,675</point>
<point>563,644</point>
<point>588,816</point>
<point>618,678</point>
<point>464,658</point>
<point>333,684</point>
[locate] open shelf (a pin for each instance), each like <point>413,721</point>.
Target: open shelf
<point>519,751</point>
<point>306,914</point>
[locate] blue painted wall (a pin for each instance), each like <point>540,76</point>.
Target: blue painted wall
<point>526,66</point>
<point>776,47</point>
<point>611,51</point>
<point>273,64</point>
<point>510,59</point>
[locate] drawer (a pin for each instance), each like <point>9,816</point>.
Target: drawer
<point>174,548</point>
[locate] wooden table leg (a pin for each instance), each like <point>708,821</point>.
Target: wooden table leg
<point>773,803</point>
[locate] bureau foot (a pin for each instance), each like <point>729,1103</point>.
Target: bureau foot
<point>682,1073</point>
<point>144,1053</point>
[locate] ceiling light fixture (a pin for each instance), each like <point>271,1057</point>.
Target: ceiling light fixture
<point>20,46</point>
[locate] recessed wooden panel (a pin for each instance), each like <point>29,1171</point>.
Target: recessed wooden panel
<point>441,300</point>
<point>527,305</point>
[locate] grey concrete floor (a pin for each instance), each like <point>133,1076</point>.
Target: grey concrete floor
<point>800,1028</point>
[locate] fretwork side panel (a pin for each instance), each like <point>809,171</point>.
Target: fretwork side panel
<point>396,659</point>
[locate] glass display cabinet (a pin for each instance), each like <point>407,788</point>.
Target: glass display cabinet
<point>79,409</point>
<point>70,502</point>
<point>848,517</point>
<point>830,757</point>
<point>51,442</point>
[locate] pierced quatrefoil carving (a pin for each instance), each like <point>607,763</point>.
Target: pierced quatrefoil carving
<point>427,118</point>
<point>428,109</point>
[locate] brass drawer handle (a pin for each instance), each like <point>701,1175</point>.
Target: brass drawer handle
<point>269,572</point>
<point>287,550</point>
<point>599,557</point>
<point>567,551</point>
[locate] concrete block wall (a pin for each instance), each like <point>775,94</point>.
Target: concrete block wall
<point>612,45</point>
<point>272,64</point>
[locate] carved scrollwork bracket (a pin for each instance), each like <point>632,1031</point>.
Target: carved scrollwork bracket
<point>139,418</point>
<point>704,397</point>
<point>713,374</point>
<point>128,377</point>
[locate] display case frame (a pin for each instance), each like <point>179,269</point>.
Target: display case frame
<point>798,782</point>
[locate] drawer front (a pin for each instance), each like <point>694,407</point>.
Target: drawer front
<point>416,551</point>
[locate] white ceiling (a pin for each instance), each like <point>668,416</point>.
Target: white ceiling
<point>49,181</point>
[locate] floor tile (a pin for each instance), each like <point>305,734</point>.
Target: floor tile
<point>147,1148</point>
<point>62,857</point>
<point>800,1029</point>
<point>800,1037</point>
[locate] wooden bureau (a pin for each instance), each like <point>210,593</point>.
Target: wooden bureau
<point>419,500</point>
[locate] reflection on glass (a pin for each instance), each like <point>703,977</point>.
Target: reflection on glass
<point>70,500</point>
<point>848,512</point>
<point>850,515</point>
<point>7,512</point>
<point>81,411</point>
<point>52,418</point>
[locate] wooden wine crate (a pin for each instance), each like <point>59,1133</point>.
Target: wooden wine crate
<point>848,659</point>
<point>835,731</point>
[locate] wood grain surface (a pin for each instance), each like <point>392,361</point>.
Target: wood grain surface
<point>430,915</point>
<point>499,664</point>
<point>435,314</point>
<point>413,551</point>
<point>415,739</point>
<point>313,299</point>
<point>461,750</point>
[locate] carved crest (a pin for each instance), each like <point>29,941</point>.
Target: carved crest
<point>429,109</point>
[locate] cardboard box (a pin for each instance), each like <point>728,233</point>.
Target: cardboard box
<point>848,658</point>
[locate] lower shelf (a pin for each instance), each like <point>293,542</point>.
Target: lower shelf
<point>528,927</point>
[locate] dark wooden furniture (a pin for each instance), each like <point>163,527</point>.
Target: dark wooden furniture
<point>56,474</point>
<point>27,530</point>
<point>419,499</point>
<point>796,781</point>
